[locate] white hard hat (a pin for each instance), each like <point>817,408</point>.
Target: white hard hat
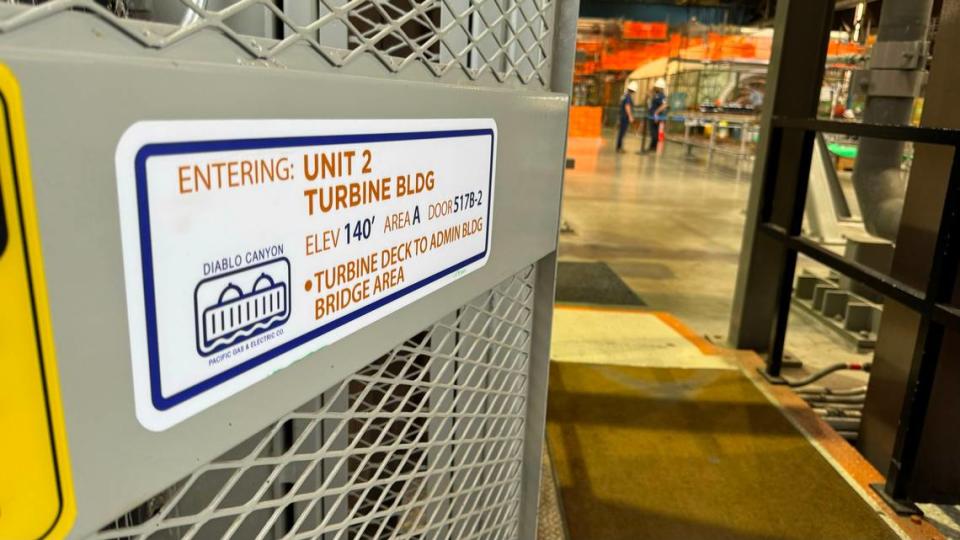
<point>660,83</point>
<point>633,86</point>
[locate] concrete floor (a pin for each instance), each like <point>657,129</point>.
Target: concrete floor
<point>670,225</point>
<point>625,337</point>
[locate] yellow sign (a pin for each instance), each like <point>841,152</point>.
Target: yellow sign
<point>36,494</point>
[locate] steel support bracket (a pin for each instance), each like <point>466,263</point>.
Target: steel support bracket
<point>895,83</point>
<point>900,55</point>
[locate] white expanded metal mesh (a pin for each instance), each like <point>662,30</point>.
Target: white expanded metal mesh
<point>425,442</point>
<point>508,38</point>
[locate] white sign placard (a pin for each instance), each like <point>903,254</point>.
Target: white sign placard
<point>249,244</point>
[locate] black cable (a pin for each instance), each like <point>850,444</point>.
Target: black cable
<point>841,366</point>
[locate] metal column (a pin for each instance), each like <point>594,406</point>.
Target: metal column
<point>921,449</point>
<point>897,68</point>
<point>765,274</point>
<point>924,283</point>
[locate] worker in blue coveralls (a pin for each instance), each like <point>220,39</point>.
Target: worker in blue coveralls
<point>626,113</point>
<point>658,105</point>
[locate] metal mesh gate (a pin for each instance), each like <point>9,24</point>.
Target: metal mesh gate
<point>508,38</point>
<point>425,442</point>
<point>440,437</point>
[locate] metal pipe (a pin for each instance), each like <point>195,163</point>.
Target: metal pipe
<point>877,180</point>
<point>845,424</point>
<point>839,413</point>
<point>190,16</point>
<point>850,436</point>
<point>821,397</point>
<point>846,407</point>
<point>836,399</point>
<point>820,391</point>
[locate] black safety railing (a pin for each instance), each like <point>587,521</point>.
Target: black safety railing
<point>782,200</point>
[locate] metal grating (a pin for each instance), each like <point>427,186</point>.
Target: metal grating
<point>425,442</point>
<point>508,38</point>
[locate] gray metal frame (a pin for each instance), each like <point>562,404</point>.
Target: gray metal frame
<point>86,76</point>
<point>427,440</point>
<point>487,41</point>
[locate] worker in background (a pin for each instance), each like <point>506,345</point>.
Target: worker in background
<point>626,113</point>
<point>658,105</point>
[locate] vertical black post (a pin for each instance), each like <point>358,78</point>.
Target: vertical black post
<point>789,183</point>
<point>765,274</point>
<point>923,368</point>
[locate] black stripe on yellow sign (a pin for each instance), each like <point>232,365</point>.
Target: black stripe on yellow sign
<point>36,492</point>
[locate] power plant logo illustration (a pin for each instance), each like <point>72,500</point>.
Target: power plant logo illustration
<point>238,305</point>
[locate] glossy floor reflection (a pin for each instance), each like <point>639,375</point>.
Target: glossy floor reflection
<point>670,225</point>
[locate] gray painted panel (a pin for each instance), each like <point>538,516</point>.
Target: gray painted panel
<point>78,105</point>
<point>56,26</point>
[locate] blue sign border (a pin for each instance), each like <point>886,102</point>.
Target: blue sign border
<point>161,402</point>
